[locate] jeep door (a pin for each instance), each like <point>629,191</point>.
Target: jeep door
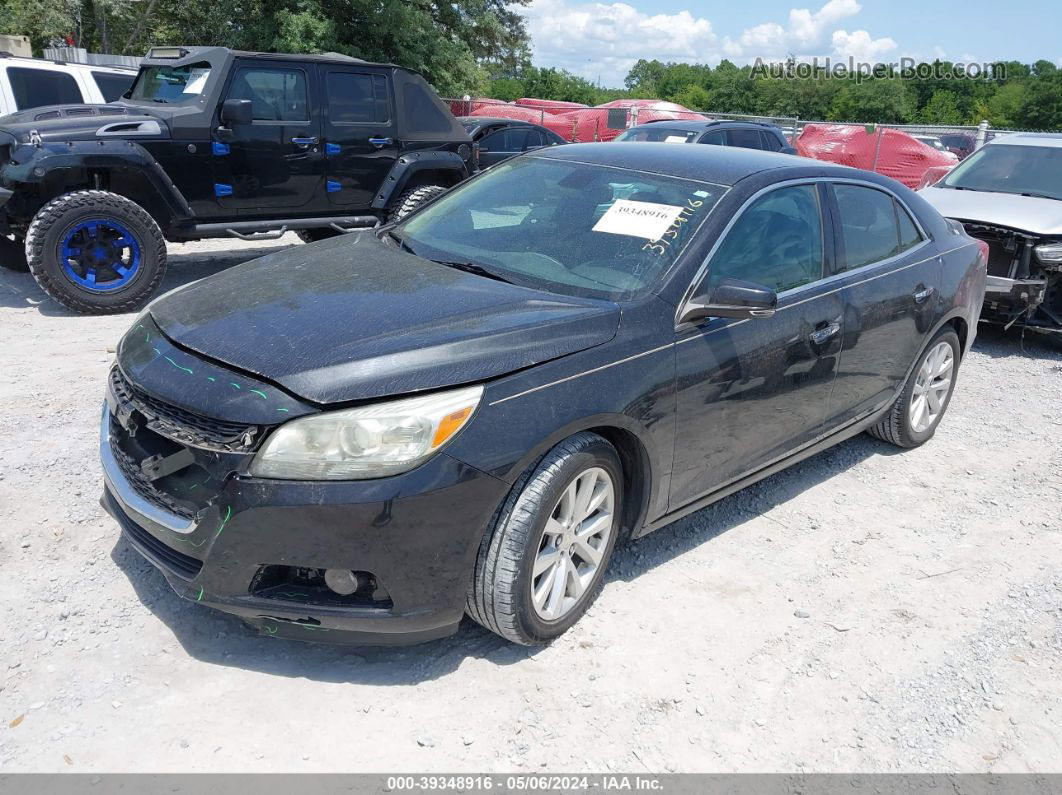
<point>274,161</point>
<point>751,391</point>
<point>360,136</point>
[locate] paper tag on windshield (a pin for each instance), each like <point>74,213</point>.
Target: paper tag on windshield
<point>637,219</point>
<point>196,80</point>
<point>675,139</point>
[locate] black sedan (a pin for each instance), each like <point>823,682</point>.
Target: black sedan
<point>496,140</point>
<point>369,437</point>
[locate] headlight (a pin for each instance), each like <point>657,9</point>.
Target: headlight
<point>1049,252</point>
<point>365,442</point>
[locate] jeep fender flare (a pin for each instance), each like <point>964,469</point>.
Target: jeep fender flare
<point>58,168</point>
<point>412,163</point>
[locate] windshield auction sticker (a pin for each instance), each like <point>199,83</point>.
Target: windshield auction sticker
<point>646,220</point>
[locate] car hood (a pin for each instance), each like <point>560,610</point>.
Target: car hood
<point>1026,213</point>
<point>354,318</point>
<point>59,123</point>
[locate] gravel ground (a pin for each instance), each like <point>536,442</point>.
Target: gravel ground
<point>866,610</point>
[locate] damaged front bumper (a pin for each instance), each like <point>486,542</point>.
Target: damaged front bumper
<point>259,549</point>
<point>1020,289</point>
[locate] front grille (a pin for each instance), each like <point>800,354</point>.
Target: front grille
<point>184,426</point>
<point>162,555</point>
<point>140,483</point>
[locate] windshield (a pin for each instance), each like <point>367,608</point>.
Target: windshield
<point>1008,168</point>
<point>567,227</point>
<point>169,84</point>
<point>659,134</point>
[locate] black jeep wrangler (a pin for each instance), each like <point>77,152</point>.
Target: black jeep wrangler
<point>210,142</point>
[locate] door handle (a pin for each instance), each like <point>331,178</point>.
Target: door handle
<point>378,142</point>
<point>922,294</point>
<point>824,334</point>
<point>305,141</point>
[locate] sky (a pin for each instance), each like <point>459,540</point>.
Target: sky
<point>602,40</point>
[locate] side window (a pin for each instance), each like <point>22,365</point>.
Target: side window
<point>535,138</point>
<point>34,88</point>
<point>716,137</point>
<point>112,86</point>
<point>873,226</point>
<point>909,234</point>
<point>421,114</point>
<point>511,139</point>
<point>275,94</point>
<point>770,141</point>
<point>776,242</point>
<point>357,98</point>
<point>746,139</point>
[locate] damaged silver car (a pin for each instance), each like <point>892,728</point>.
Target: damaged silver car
<point>1009,194</point>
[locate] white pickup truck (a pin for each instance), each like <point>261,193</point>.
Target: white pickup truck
<point>32,82</point>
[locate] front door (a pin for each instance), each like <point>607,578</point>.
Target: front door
<point>361,142</point>
<point>751,391</point>
<point>275,161</point>
<point>889,280</point>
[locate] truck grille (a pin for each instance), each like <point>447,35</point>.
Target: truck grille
<point>183,426</point>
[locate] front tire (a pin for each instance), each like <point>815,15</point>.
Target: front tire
<point>542,563</point>
<point>96,252</point>
<point>412,200</point>
<point>914,417</point>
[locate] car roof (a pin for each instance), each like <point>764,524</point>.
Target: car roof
<point>693,125</point>
<point>326,57</point>
<point>722,165</point>
<point>1027,139</point>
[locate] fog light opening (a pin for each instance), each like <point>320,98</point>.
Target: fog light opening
<point>341,581</point>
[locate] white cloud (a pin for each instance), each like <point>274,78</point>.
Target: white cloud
<point>596,39</point>
<point>860,47</point>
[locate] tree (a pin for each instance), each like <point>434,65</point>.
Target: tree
<point>882,101</point>
<point>942,108</point>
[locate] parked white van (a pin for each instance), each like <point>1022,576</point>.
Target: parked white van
<point>32,83</point>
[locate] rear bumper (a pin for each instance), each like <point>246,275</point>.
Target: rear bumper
<point>417,533</point>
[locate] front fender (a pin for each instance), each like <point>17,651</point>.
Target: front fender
<point>411,163</point>
<point>53,168</point>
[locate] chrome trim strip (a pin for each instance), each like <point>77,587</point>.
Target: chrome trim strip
<point>703,334</point>
<point>699,275</point>
<point>132,502</point>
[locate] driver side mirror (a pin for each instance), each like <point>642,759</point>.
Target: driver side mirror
<point>731,298</point>
<point>236,111</point>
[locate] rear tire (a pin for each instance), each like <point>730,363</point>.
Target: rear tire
<point>412,200</point>
<point>96,252</point>
<point>13,254</point>
<point>914,417</point>
<point>542,563</point>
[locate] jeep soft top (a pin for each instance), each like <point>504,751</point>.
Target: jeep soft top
<point>212,142</point>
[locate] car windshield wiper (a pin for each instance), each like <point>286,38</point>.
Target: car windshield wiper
<point>161,100</point>
<point>472,267</point>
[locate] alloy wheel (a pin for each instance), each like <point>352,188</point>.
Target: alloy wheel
<point>931,387</point>
<point>573,544</point>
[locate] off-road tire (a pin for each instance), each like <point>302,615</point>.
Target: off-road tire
<point>895,427</point>
<point>50,223</point>
<point>314,235</point>
<point>499,595</point>
<point>412,199</point>
<point>13,254</point>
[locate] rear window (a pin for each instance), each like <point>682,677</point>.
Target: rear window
<point>34,88</point>
<point>421,113</point>
<point>746,139</point>
<point>357,98</point>
<point>111,85</point>
<point>657,134</point>
<point>873,226</point>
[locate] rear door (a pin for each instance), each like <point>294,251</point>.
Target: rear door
<point>888,273</point>
<point>361,141</point>
<point>275,161</point>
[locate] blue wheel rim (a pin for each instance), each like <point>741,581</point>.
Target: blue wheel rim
<point>100,255</point>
